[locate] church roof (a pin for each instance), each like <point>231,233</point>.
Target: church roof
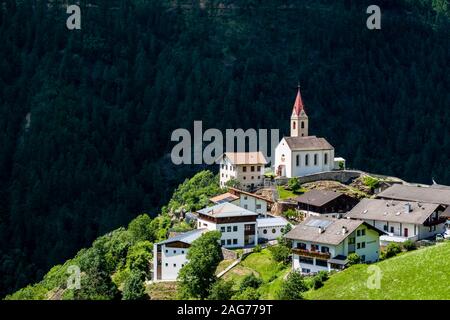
<point>298,104</point>
<point>308,143</point>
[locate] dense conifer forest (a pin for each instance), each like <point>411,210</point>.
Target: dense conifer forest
<point>86,115</point>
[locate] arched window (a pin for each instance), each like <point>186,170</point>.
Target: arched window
<point>316,157</point>
<point>297,160</point>
<point>325,159</point>
<point>293,125</point>
<point>303,125</point>
<point>307,160</point>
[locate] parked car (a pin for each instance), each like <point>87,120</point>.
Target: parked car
<point>439,237</point>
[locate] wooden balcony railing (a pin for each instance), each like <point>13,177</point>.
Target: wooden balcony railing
<point>312,254</point>
<point>434,221</point>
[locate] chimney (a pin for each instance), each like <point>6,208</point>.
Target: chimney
<point>407,207</point>
<point>321,230</point>
<point>344,230</point>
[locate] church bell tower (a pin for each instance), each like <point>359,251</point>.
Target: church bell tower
<point>299,119</point>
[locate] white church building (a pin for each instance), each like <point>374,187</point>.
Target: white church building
<point>301,154</point>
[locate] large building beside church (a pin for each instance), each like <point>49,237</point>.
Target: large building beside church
<point>302,154</point>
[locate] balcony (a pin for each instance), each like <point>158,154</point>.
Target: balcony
<point>311,254</point>
<point>434,221</point>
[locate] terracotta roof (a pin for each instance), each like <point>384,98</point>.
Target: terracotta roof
<point>318,198</point>
<point>392,210</point>
<point>418,194</point>
<point>225,197</point>
<point>332,234</point>
<point>308,143</point>
<point>298,104</point>
<point>246,157</point>
<point>257,196</point>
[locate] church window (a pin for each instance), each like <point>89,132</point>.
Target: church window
<point>303,125</point>
<point>297,160</point>
<point>307,160</point>
<point>325,159</point>
<point>293,125</point>
<point>316,156</point>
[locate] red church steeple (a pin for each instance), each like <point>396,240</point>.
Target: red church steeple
<point>299,119</point>
<point>298,104</point>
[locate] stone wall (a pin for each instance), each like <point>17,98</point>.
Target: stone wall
<point>343,176</point>
<point>229,254</point>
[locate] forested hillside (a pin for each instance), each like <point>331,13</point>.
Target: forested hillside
<point>86,115</point>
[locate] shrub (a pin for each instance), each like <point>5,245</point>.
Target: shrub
<point>134,288</point>
<point>392,250</point>
<point>409,245</point>
<point>280,253</point>
<point>371,182</point>
<point>294,185</point>
<point>257,248</point>
<point>221,290</point>
<point>319,279</point>
<point>248,294</point>
<point>250,281</point>
<point>291,213</point>
<point>293,287</point>
<point>353,258</point>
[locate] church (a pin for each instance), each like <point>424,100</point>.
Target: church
<point>302,154</point>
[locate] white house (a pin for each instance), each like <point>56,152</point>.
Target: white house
<point>320,243</point>
<point>401,220</point>
<point>301,154</point>
<point>250,201</point>
<point>253,202</point>
<point>237,225</point>
<point>271,228</point>
<point>247,168</point>
<point>169,256</point>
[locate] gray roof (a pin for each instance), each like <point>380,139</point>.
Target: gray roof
<point>446,212</point>
<point>226,209</point>
<point>271,222</point>
<point>418,194</point>
<point>308,143</point>
<point>318,197</point>
<point>440,186</point>
<point>186,237</point>
<point>308,230</point>
<point>392,210</point>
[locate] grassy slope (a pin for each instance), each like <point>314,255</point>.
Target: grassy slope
<point>263,266</point>
<point>421,274</point>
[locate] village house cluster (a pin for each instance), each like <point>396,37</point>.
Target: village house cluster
<point>333,225</point>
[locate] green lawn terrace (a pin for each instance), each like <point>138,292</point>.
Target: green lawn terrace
<point>422,274</point>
